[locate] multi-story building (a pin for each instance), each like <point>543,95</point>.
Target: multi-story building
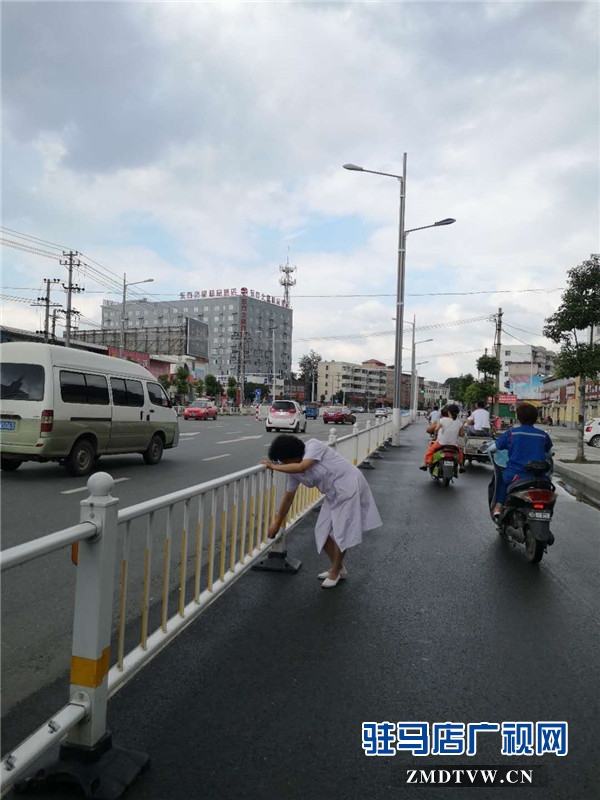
<point>523,368</point>
<point>359,383</point>
<point>435,394</point>
<point>249,333</point>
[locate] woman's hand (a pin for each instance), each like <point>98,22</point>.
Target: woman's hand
<point>273,530</point>
<point>266,463</point>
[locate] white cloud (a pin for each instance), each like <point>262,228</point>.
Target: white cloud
<point>194,140</point>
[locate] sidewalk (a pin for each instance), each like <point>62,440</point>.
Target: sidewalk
<point>587,476</point>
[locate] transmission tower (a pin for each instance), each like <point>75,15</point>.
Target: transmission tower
<point>286,280</point>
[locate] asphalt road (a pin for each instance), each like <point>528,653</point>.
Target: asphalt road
<point>439,621</point>
<point>42,498</point>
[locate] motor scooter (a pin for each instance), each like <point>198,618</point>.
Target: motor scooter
<point>528,508</point>
<point>444,464</point>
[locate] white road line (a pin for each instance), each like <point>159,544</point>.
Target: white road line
<point>212,458</point>
<point>241,439</point>
<point>190,434</point>
<point>85,488</point>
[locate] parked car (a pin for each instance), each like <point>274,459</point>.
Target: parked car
<point>201,409</point>
<point>71,406</point>
<point>591,432</point>
<point>357,410</point>
<point>382,412</point>
<point>339,415</point>
<point>285,415</point>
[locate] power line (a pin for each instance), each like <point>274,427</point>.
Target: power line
<point>392,333</point>
<point>437,294</point>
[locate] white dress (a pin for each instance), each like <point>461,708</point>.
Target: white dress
<point>348,508</point>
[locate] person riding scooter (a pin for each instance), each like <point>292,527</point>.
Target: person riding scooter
<point>448,429</point>
<point>525,443</point>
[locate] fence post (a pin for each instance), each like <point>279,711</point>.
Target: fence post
<point>356,437</point>
<point>88,757</point>
<point>366,464</point>
<point>332,441</point>
<point>277,559</point>
<point>378,440</point>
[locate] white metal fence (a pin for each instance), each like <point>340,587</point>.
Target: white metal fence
<point>187,548</point>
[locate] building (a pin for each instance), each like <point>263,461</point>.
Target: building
<point>360,384</point>
<point>560,400</point>
<point>435,394</point>
<point>249,333</point>
<point>523,368</point>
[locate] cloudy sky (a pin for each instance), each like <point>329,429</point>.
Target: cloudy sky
<point>198,143</point>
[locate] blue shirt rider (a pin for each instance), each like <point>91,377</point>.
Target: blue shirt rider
<point>524,443</point>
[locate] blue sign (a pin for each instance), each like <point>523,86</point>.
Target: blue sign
<point>257,393</point>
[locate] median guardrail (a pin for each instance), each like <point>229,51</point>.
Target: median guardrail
<point>207,537</point>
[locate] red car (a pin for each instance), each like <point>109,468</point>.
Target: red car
<point>200,409</point>
<point>338,414</point>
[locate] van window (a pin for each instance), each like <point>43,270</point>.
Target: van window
<point>157,395</point>
<point>126,392</point>
<point>135,393</point>
<point>22,381</point>
<point>79,387</point>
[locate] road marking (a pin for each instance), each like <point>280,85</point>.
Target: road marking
<point>85,488</point>
<point>241,439</point>
<point>212,458</point>
<point>190,434</point>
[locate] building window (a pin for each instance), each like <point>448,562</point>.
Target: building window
<point>507,352</point>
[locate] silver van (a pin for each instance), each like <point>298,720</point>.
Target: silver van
<point>72,406</point>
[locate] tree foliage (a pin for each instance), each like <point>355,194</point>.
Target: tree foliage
<point>165,381</point>
<point>181,382</point>
<point>309,368</point>
<point>488,365</point>
<point>213,387</point>
<point>570,326</point>
<point>478,390</point>
<point>199,387</point>
<point>232,388</point>
<point>458,386</point>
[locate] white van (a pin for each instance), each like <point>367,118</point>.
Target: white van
<point>72,406</point>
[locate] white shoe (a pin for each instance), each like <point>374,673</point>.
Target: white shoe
<point>329,584</point>
<point>322,576</point>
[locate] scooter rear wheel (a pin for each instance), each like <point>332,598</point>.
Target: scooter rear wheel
<point>533,548</point>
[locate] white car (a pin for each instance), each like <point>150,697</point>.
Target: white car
<point>591,432</point>
<point>382,412</point>
<point>285,415</point>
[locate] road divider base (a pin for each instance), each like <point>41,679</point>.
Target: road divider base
<point>102,772</point>
<point>278,562</point>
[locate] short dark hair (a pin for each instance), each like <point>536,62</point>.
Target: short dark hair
<point>453,410</point>
<point>480,404</point>
<point>527,414</point>
<point>286,446</point>
<point>444,411</point>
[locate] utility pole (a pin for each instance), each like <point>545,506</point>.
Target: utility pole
<point>498,351</point>
<point>413,388</point>
<point>273,332</point>
<point>69,262</point>
<point>45,301</point>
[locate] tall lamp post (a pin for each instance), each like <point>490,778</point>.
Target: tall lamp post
<point>396,414</point>
<point>125,285</point>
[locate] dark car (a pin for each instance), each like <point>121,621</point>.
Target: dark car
<point>339,415</point>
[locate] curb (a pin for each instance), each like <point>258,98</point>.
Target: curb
<point>589,481</point>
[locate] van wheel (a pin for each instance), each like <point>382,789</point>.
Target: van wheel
<point>81,458</point>
<point>155,450</point>
<point>10,464</point>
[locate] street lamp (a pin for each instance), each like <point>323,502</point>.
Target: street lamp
<point>396,414</point>
<point>125,285</point>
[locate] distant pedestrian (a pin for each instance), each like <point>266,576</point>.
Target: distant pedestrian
<point>348,508</point>
<point>435,415</point>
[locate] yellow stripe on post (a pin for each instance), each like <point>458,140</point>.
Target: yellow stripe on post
<point>88,671</point>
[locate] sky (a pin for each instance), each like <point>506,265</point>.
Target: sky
<point>201,144</point>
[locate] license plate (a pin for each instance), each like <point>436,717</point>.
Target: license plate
<point>448,463</point>
<point>540,515</point>
<point>7,425</point>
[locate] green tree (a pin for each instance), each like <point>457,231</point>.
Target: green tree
<point>249,389</point>
<point>232,388</point>
<point>165,381</point>
<point>182,384</point>
<point>213,387</point>
<point>489,366</point>
<point>478,390</point>
<point>458,386</point>
<point>199,387</point>
<point>309,370</point>
<point>579,311</point>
